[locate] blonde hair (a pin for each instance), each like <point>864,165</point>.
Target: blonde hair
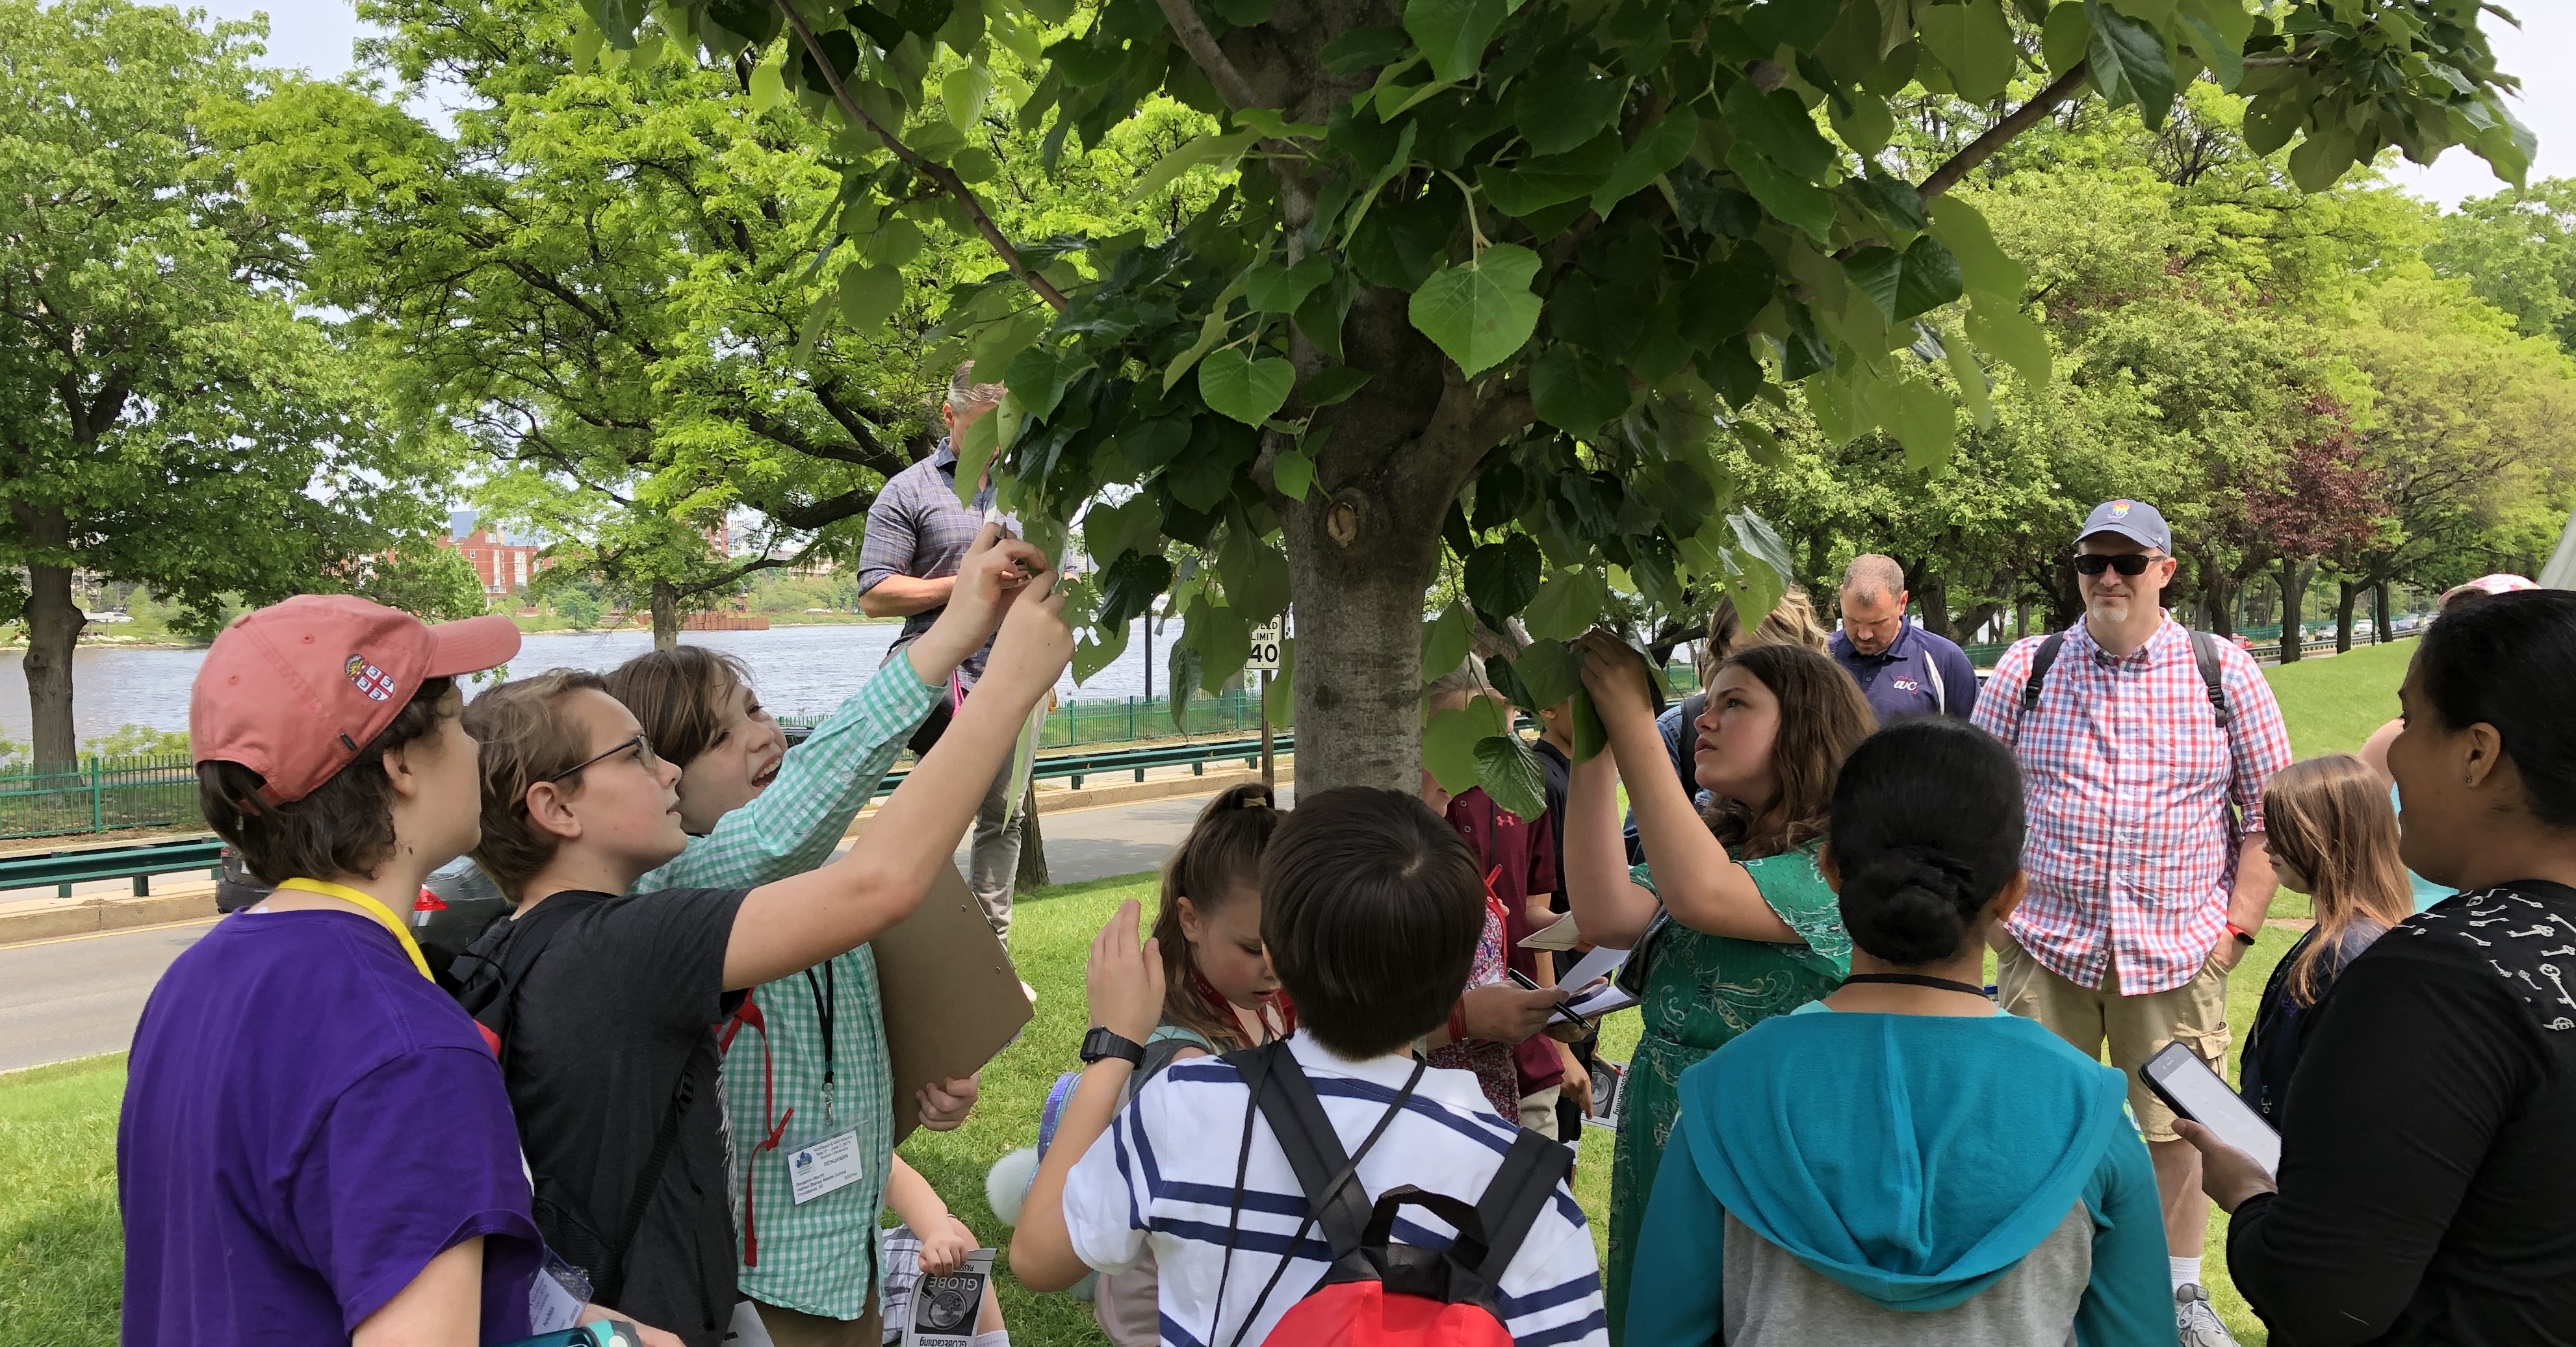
<point>1794,622</point>
<point>2331,819</point>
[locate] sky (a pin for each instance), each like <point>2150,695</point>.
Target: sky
<point>316,35</point>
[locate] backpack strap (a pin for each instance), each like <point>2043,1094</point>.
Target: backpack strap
<point>2040,661</point>
<point>1515,1196</point>
<point>2213,675</point>
<point>1324,1171</point>
<point>665,1140</point>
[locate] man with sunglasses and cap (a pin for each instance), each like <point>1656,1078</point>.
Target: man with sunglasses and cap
<point>2143,748</point>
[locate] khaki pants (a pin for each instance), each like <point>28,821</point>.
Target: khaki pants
<point>795,1328</point>
<point>2135,1027</point>
<point>1538,1111</point>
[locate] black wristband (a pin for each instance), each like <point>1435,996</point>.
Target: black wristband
<point>1100,1043</point>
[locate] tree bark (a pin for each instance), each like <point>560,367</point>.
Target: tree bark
<point>1932,595</point>
<point>666,615</point>
<point>2379,632</point>
<point>1974,623</point>
<point>54,625</point>
<point>2291,592</point>
<point>1033,861</point>
<point>2218,595</point>
<point>1359,644</point>
<point>2345,593</point>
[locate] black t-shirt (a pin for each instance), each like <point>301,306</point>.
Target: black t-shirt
<point>2280,1019</point>
<point>625,998</point>
<point>2428,1143</point>
<point>1556,776</point>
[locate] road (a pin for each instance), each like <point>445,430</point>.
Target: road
<point>80,996</point>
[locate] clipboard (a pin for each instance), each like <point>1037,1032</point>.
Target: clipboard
<point>950,994</point>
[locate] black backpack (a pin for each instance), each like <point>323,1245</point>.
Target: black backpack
<point>486,979</point>
<point>1361,1233</point>
<point>2204,654</point>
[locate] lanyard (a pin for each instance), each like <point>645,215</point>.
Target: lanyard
<point>827,1007</point>
<point>365,903</point>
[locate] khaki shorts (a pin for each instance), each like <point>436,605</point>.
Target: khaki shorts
<point>2136,1027</point>
<point>1538,1111</point>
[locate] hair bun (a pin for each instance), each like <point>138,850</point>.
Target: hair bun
<point>1910,905</point>
<point>1249,795</point>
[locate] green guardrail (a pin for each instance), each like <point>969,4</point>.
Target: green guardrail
<point>100,795</point>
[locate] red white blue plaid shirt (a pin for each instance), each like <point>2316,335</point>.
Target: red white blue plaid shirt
<point>2137,802</point>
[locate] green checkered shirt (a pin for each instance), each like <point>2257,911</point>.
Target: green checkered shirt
<point>820,1257</point>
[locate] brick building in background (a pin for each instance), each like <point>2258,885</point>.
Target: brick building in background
<point>504,562</point>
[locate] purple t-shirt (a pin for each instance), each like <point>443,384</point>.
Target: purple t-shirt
<point>307,1123</point>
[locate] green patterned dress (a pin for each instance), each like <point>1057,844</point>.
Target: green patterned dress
<point>1701,991</point>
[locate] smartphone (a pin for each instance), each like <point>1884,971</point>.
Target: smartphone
<point>602,1333</point>
<point>2190,1088</point>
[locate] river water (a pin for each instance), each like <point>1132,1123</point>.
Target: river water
<point>800,671</point>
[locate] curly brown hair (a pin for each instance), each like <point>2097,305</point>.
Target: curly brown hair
<point>1823,717</point>
<point>526,739</point>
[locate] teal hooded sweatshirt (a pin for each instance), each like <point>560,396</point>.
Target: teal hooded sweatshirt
<point>1913,1160</point>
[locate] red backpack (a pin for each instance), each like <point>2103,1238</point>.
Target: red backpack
<point>1378,1292</point>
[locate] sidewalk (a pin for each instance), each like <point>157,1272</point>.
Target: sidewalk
<point>189,895</point>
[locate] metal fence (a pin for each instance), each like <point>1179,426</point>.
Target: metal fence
<point>100,795</point>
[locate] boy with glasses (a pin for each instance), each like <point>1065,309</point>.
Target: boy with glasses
<point>2143,749</point>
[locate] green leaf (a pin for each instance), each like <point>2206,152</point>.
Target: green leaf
<point>975,450</point>
<point>1567,605</point>
<point>768,83</point>
<point>1590,735</point>
<point>1219,151</point>
<point>1551,670</point>
<point>1256,582</point>
<point>1574,392</point>
<point>2317,161</point>
<point>1562,105</point>
<point>1974,43</point>
<point>1524,191</point>
<point>1130,585</point>
<point>1273,126</point>
<point>964,92</point>
<point>1037,378</point>
<point>1482,312</point>
<point>1931,280</point>
<point>1280,289</point>
<point>1452,34</point>
<point>1293,473</point>
<point>1092,655</point>
<point>1866,126</point>
<point>1973,386</point>
<point>1445,641</point>
<point>1211,332</point>
<point>1780,126</point>
<point>1246,389</point>
<point>1509,771</point>
<point>1223,639</point>
<point>1449,742</point>
<point>1793,199</point>
<point>1985,269</point>
<point>1921,418</point>
<point>1502,577</point>
<point>869,296</point>
<point>2225,59</point>
<point>1659,150</point>
<point>1279,700</point>
<point>1333,385</point>
<point>896,242</point>
<point>1877,272</point>
<point>1183,666</point>
<point>1755,537</point>
<point>974,164</point>
<point>1361,48</point>
<point>2129,63</point>
<point>2009,335</point>
<point>2064,38</point>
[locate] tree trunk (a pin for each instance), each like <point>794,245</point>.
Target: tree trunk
<point>1974,624</point>
<point>1932,595</point>
<point>1033,861</point>
<point>2291,592</point>
<point>2346,592</point>
<point>2379,632</point>
<point>2219,597</point>
<point>54,625</point>
<point>1359,649</point>
<point>666,615</point>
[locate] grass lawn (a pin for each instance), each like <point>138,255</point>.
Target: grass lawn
<point>59,1250</point>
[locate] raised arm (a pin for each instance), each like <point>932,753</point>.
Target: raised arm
<point>797,922</point>
<point>822,783</point>
<point>1609,908</point>
<point>1701,885</point>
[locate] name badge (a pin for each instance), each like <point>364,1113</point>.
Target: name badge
<point>556,1297</point>
<point>826,1166</point>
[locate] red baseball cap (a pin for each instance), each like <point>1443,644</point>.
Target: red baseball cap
<point>295,690</point>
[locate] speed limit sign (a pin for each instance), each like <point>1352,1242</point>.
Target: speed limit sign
<point>1265,647</point>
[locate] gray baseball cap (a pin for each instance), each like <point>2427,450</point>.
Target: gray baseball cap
<point>2134,520</point>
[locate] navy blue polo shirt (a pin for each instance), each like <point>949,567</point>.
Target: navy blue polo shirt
<point>1918,674</point>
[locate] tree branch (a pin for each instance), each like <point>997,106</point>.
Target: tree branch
<point>2001,133</point>
<point>941,174</point>
<point>1237,93</point>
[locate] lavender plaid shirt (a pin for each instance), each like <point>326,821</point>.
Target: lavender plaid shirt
<point>2137,800</point>
<point>917,528</point>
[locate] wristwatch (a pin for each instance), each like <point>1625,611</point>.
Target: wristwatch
<point>1101,1043</point>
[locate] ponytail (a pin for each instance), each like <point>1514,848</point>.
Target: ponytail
<point>1219,860</point>
<point>1926,829</point>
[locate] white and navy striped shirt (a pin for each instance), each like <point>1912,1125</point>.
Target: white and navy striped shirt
<point>1162,1177</point>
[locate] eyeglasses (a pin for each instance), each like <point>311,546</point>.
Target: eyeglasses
<point>643,758</point>
<point>2127,563</point>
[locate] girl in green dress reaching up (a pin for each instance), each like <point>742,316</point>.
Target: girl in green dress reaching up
<point>1729,919</point>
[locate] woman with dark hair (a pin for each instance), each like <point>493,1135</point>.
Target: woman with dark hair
<point>1880,1200</point>
<point>1729,920</point>
<point>2427,1190</point>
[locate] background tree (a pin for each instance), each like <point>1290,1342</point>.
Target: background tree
<point>2517,251</point>
<point>430,582</point>
<point>166,415</point>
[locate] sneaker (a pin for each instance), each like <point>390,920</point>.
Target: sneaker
<point>2196,1322</point>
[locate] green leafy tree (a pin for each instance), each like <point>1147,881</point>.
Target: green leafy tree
<point>2517,250</point>
<point>430,582</point>
<point>1494,279</point>
<point>166,414</point>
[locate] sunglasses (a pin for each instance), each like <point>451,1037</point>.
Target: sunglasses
<point>2127,563</point>
<point>643,758</point>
